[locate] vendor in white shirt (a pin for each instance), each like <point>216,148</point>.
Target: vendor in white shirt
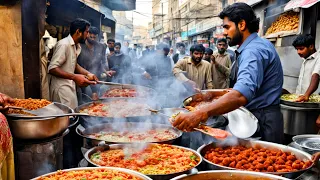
<point>310,69</point>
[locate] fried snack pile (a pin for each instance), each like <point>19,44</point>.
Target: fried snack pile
<point>256,159</point>
<point>286,22</point>
<point>30,104</point>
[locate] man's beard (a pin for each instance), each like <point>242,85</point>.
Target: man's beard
<point>221,51</point>
<point>91,41</point>
<point>236,39</point>
<point>111,49</point>
<point>196,59</point>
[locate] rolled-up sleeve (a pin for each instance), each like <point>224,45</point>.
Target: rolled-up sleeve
<point>316,69</point>
<point>250,74</point>
<point>59,56</point>
<point>177,70</point>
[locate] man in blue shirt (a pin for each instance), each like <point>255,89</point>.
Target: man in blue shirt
<point>259,77</point>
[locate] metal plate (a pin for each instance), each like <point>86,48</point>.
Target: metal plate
<point>308,141</point>
<point>300,104</point>
<point>242,123</point>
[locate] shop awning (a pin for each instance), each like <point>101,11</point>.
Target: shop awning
<point>299,4</point>
<point>98,6</point>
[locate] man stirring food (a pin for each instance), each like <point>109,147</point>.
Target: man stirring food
<point>310,69</point>
<point>66,72</point>
<point>259,77</point>
<point>198,70</point>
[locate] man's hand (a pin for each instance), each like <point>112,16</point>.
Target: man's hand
<point>110,73</point>
<point>188,121</point>
<point>213,59</point>
<point>4,100</point>
<point>147,75</point>
<point>303,98</point>
<point>82,81</point>
<point>95,96</point>
<point>193,85</point>
<point>92,77</point>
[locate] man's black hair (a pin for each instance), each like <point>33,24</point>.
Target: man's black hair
<point>94,30</point>
<point>117,44</point>
<point>241,11</point>
<point>197,47</point>
<point>304,40</point>
<point>222,40</point>
<point>80,24</point>
<point>208,51</point>
<point>110,40</point>
<point>135,44</point>
<point>181,44</point>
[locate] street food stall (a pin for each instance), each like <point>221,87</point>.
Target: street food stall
<point>281,22</point>
<point>127,135</point>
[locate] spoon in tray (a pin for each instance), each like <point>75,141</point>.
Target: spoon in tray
<point>214,132</point>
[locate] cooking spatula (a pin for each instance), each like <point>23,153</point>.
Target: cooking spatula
<point>214,132</point>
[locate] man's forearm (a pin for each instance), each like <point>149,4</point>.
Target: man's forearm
<point>223,69</point>
<point>61,73</point>
<point>81,70</point>
<point>228,102</point>
<point>313,85</point>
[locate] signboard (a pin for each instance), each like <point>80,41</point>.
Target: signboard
<point>300,4</point>
<point>184,36</point>
<point>105,29</point>
<point>208,24</point>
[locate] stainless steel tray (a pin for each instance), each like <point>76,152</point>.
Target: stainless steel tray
<point>308,141</point>
<point>298,153</point>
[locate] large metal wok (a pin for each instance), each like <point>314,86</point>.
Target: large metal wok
<point>149,91</point>
<point>154,177</point>
<point>229,175</point>
<point>127,171</point>
<point>300,155</point>
<point>124,126</point>
<point>40,127</point>
<point>87,121</point>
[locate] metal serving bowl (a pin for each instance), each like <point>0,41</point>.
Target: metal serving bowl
<point>127,171</point>
<point>87,121</point>
<point>124,126</point>
<point>39,128</point>
<point>154,177</point>
<point>300,155</point>
<point>229,175</point>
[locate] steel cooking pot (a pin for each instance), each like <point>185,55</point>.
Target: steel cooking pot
<point>39,128</point>
<point>299,120</point>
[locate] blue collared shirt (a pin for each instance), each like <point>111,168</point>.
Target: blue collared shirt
<point>260,75</point>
